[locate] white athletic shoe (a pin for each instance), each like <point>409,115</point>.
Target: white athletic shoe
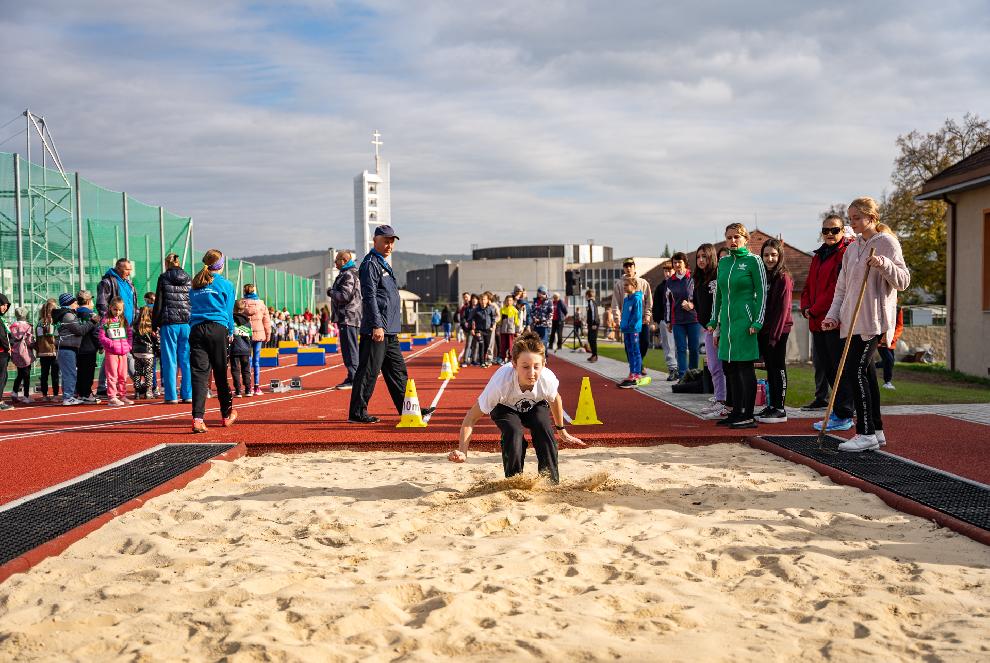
<point>71,400</point>
<point>721,413</point>
<point>889,385</point>
<point>861,443</point>
<point>881,438</point>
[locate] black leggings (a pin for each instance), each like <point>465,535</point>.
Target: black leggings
<point>828,350</point>
<point>22,381</point>
<point>775,359</point>
<point>859,376</point>
<point>741,378</point>
<point>208,351</point>
<point>49,368</point>
<point>240,370</point>
<point>513,426</point>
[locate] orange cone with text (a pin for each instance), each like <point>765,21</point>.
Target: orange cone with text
<point>412,416</point>
<point>585,415</point>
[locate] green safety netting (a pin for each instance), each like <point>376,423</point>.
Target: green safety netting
<point>70,238</point>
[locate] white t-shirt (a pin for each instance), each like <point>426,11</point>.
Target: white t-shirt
<point>504,388</point>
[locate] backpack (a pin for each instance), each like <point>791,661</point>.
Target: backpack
<point>21,352</point>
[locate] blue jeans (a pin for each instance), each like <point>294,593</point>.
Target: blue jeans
<point>631,340</point>
<point>67,369</point>
<point>256,362</point>
<point>687,337</point>
<point>175,356</point>
<point>446,331</point>
<point>544,334</point>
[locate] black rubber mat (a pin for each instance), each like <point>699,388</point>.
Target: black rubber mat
<point>968,502</point>
<point>37,521</point>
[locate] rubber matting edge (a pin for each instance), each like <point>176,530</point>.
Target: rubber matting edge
<point>46,517</point>
<point>966,501</point>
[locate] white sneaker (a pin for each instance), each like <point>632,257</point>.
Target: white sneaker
<point>25,399</point>
<point>711,406</point>
<point>721,413</point>
<point>861,443</point>
<point>889,385</point>
<point>71,400</point>
<point>115,402</point>
<point>881,438</point>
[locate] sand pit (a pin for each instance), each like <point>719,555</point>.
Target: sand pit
<point>665,553</point>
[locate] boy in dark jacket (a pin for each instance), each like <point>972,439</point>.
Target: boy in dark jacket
<point>89,348</point>
<point>240,351</point>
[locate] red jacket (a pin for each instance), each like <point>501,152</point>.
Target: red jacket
<point>898,330</point>
<point>816,298</point>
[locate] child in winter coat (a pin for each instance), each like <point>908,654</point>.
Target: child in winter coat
<point>46,346</point>
<point>21,354</point>
<point>508,327</point>
<point>241,351</point>
<point>631,325</point>
<point>146,347</point>
<point>117,338</point>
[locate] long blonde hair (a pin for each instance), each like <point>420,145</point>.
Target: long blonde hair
<point>143,323</point>
<point>204,277</point>
<point>868,207</point>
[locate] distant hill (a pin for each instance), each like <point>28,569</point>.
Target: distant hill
<point>402,261</point>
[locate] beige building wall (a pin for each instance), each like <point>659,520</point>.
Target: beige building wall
<point>500,276</point>
<point>972,323</point>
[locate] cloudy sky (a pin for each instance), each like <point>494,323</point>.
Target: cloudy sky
<point>633,123</point>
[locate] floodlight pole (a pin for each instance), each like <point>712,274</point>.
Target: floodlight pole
<point>20,236</point>
<point>161,232</point>
<point>79,230</point>
<point>127,234</point>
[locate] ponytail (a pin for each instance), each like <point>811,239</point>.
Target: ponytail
<point>212,262</point>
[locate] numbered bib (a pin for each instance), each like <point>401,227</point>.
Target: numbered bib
<point>116,333</point>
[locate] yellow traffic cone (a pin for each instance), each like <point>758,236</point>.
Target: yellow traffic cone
<point>412,416</point>
<point>454,364</point>
<point>446,371</point>
<point>585,415</point>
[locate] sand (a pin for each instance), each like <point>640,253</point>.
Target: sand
<point>667,553</point>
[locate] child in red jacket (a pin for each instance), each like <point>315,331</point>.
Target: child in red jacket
<point>116,338</point>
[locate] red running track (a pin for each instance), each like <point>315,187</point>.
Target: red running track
<point>42,445</point>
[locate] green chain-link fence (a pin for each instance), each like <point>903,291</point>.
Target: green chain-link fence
<point>61,233</point>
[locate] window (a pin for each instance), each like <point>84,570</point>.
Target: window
<point>372,188</point>
<point>372,216</point>
<point>986,260</point>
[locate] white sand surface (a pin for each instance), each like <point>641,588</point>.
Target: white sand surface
<point>719,553</point>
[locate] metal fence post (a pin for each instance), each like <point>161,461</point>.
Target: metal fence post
<point>79,230</point>
<point>161,233</point>
<point>20,237</point>
<point>127,234</point>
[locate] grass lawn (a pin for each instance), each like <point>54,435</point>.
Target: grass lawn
<point>916,384</point>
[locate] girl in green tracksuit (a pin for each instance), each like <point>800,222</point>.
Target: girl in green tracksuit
<point>737,317</point>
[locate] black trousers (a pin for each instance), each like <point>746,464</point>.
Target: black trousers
<point>775,359</point>
<point>513,426</point>
<point>374,358</point>
<point>4,359</point>
<point>349,349</point>
<point>860,378</point>
<point>886,363</point>
<point>556,331</point>
<point>828,347</point>
<point>22,381</point>
<point>742,377</point>
<point>85,373</point>
<point>208,351</point>
<point>49,369</point>
<point>593,339</point>
<point>240,370</point>
<point>644,341</point>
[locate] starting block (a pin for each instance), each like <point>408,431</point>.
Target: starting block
<point>311,357</point>
<point>288,347</point>
<point>269,357</point>
<point>420,340</point>
<point>405,345</point>
<point>329,344</point>
<point>280,386</point>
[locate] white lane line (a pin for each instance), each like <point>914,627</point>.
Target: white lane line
<point>92,473</point>
<point>436,399</point>
<point>173,415</point>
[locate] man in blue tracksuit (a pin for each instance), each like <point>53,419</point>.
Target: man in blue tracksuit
<point>381,322</point>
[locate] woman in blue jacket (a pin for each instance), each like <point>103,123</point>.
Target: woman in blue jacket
<point>211,324</point>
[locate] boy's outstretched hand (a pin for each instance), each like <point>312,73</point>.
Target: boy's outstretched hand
<point>457,456</point>
<point>570,439</point>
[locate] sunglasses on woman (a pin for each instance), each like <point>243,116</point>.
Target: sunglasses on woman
<point>831,231</point>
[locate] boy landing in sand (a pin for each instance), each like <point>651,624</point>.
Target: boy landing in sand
<point>521,395</point>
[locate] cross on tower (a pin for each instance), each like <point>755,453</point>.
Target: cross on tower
<point>377,143</point>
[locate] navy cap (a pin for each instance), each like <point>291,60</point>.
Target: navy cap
<point>385,231</point>
<point>65,299</point>
<point>542,289</point>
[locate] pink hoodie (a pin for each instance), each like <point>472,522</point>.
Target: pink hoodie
<point>116,346</point>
